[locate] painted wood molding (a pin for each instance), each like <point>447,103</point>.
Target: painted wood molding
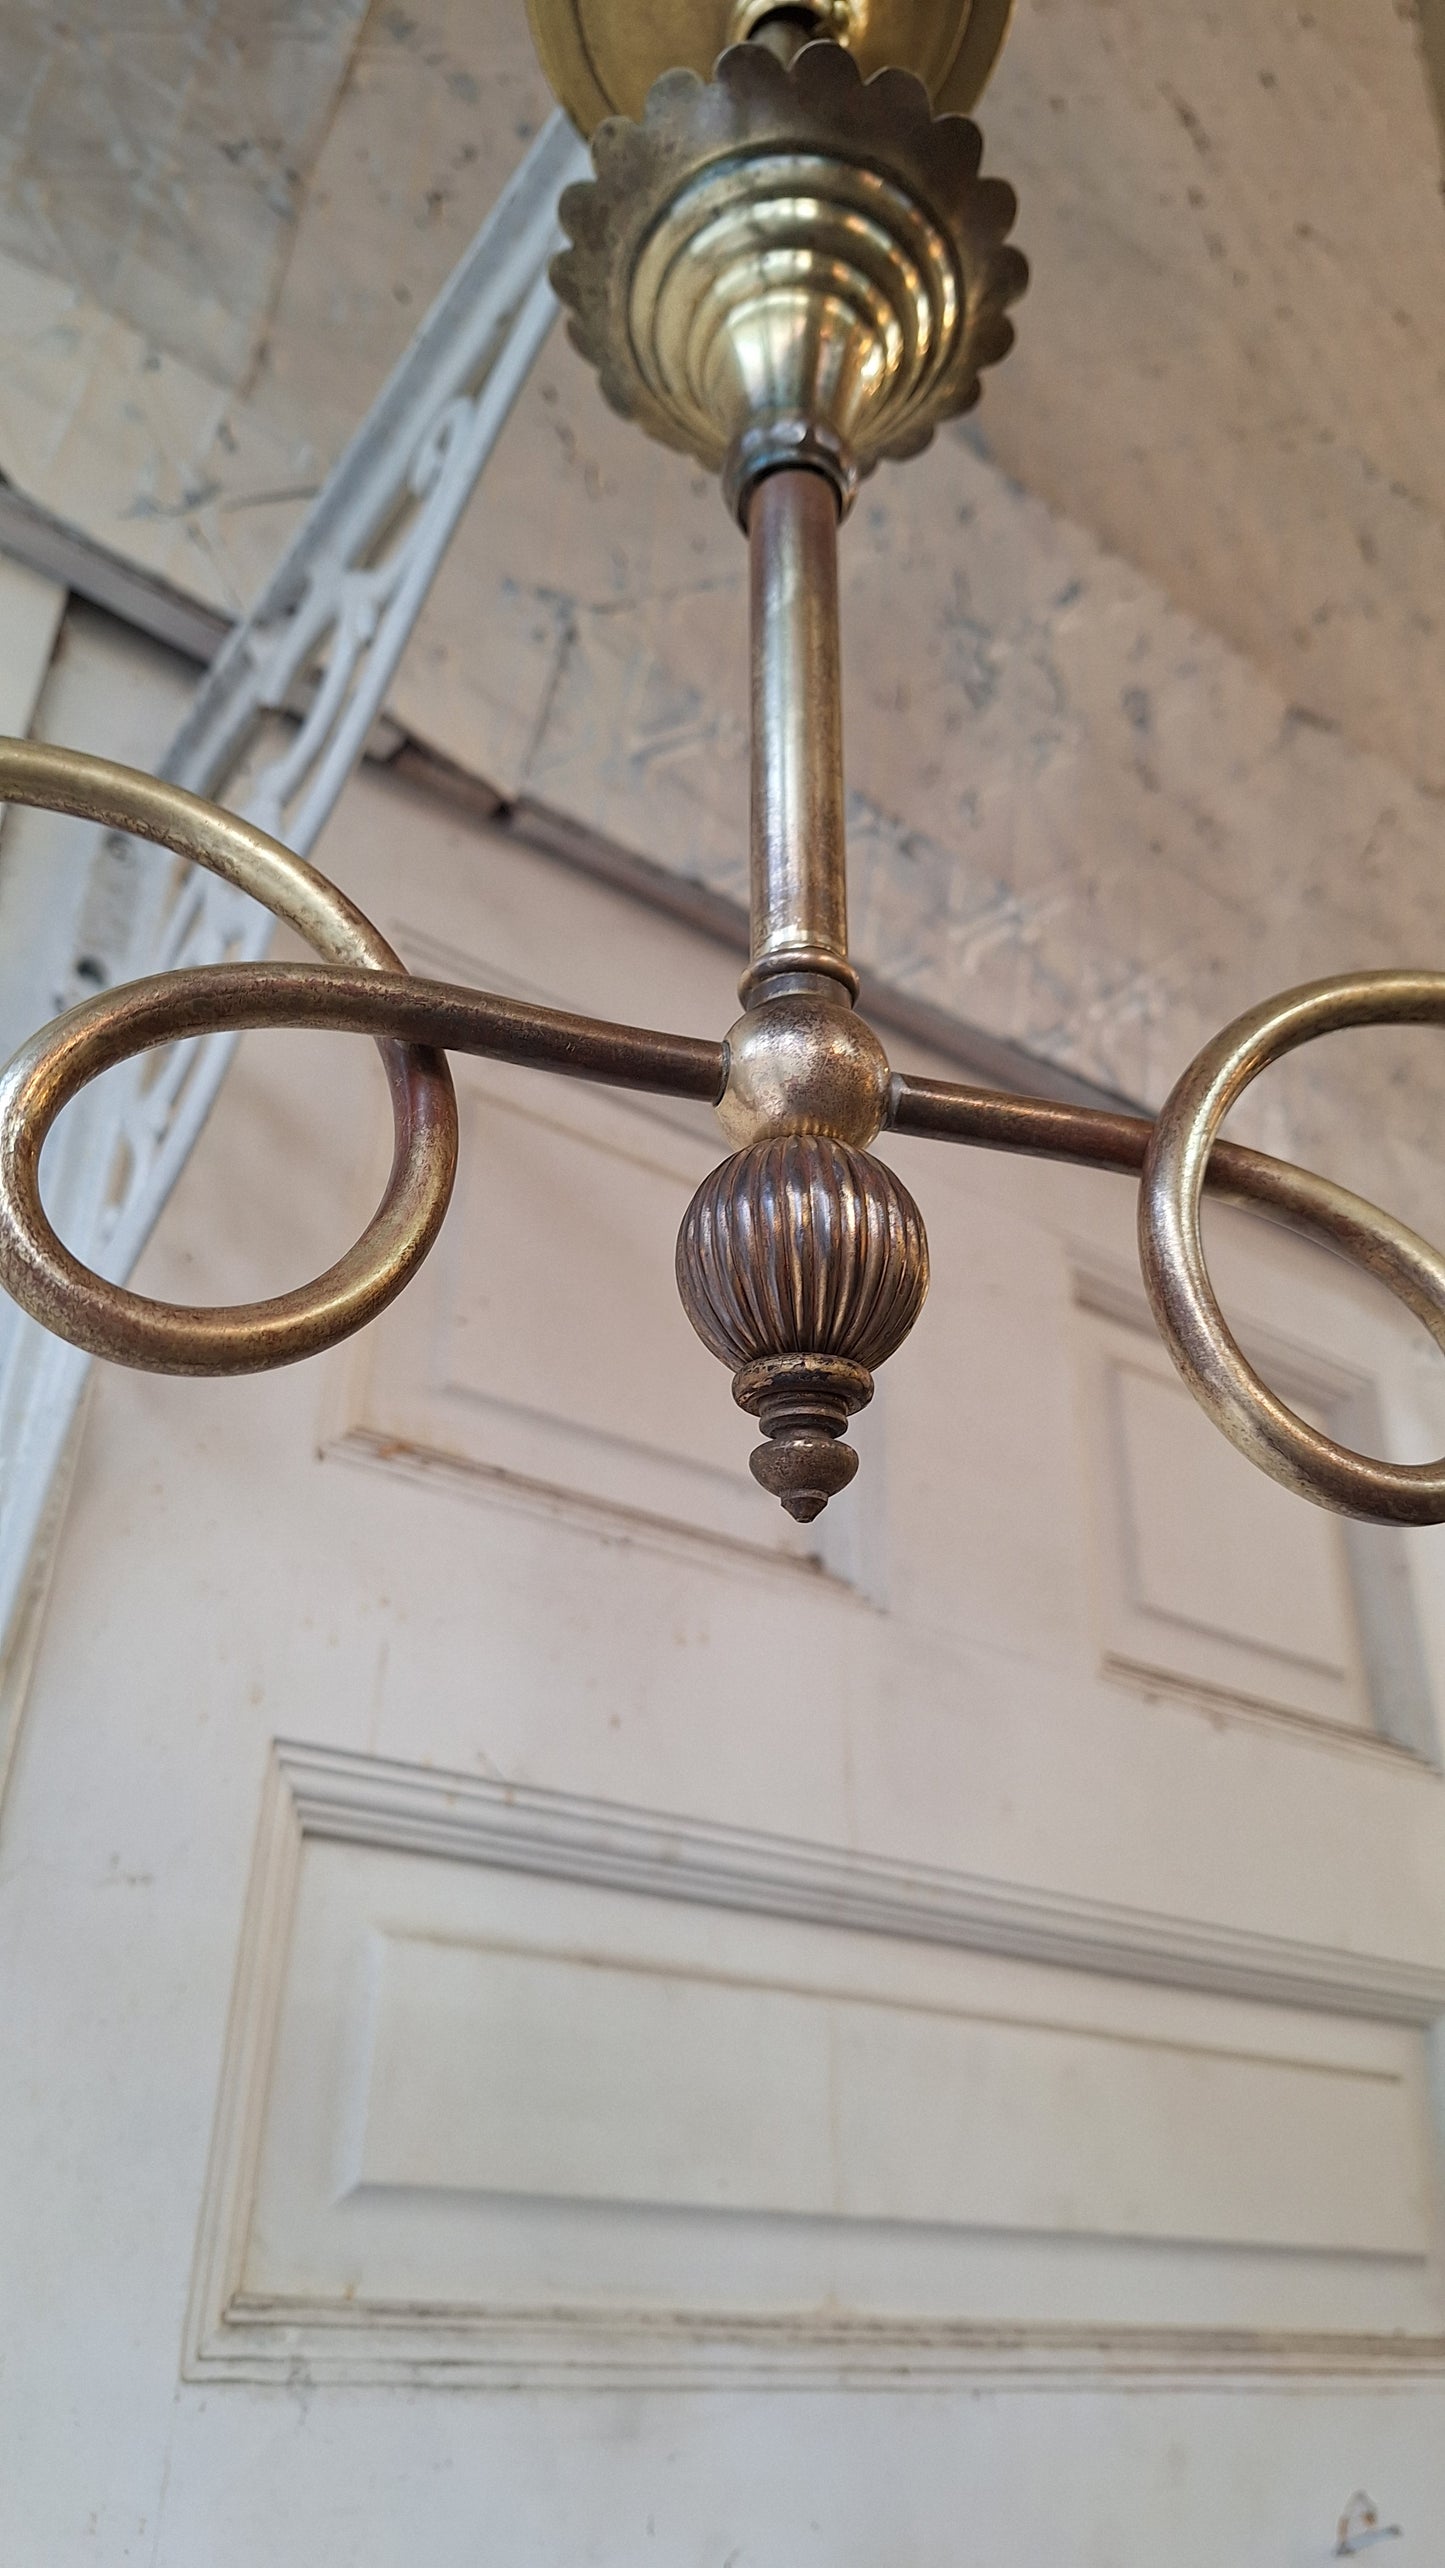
<point>319,1792</point>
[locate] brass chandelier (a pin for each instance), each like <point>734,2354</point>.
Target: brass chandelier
<point>788,266</point>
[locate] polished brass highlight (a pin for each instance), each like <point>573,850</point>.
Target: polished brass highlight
<point>803,1264</point>
<point>788,264</point>
<point>601,59</point>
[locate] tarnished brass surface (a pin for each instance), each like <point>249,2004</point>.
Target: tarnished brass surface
<point>802,1260</point>
<point>601,59</point>
<point>1184,1305</point>
<point>1172,1253</point>
<point>803,1264</point>
<point>799,1063</point>
<point>791,274</point>
<point>364,989</point>
<point>788,263</point>
<point>798,869</point>
<point>33,1264</point>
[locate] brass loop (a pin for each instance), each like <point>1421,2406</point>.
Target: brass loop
<point>35,1266</point>
<point>361,988</point>
<point>1172,1255</point>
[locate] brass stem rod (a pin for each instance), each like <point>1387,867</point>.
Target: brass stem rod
<point>799,858</point>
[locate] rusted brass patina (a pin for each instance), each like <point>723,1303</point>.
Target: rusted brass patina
<point>791,274</point>
<point>601,59</point>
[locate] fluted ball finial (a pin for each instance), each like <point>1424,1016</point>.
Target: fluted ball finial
<point>803,1264</point>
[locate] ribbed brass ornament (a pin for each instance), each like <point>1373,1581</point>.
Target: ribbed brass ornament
<point>803,1264</point>
<point>788,263</point>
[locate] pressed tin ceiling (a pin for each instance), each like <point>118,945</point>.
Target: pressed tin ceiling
<point>1234,373</point>
<point>1231,373</point>
<point>155,158</point>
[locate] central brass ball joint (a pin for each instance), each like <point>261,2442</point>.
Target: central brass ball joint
<point>789,267</point>
<point>799,1063</point>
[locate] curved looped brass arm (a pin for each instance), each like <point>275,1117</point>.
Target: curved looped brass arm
<point>1180,1152</point>
<point>37,1268</point>
<point>1172,1253</point>
<point>362,988</point>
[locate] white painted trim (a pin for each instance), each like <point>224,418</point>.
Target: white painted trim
<point>40,542</point>
<point>376,1802</point>
<point>334,1794</point>
<point>290,2343</point>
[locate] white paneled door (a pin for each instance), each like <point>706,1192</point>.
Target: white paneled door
<point>551,2017</point>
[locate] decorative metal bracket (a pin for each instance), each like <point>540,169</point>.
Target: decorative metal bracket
<point>792,275</point>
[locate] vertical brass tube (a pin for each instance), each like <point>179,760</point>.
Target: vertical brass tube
<point>799,859</point>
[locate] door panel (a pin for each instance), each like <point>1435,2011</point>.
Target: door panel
<point>485,2118</point>
<point>995,1939</point>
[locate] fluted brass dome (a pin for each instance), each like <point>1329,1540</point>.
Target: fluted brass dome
<point>803,1264</point>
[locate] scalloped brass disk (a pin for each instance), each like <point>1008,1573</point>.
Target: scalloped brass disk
<point>601,57</point>
<point>789,264</point>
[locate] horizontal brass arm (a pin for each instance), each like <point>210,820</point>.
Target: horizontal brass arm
<point>1090,1137</point>
<point>360,987</point>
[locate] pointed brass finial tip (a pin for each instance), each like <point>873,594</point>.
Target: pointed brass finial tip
<point>803,1466</point>
<point>803,1404</point>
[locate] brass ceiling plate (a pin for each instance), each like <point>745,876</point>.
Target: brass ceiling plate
<point>601,57</point>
